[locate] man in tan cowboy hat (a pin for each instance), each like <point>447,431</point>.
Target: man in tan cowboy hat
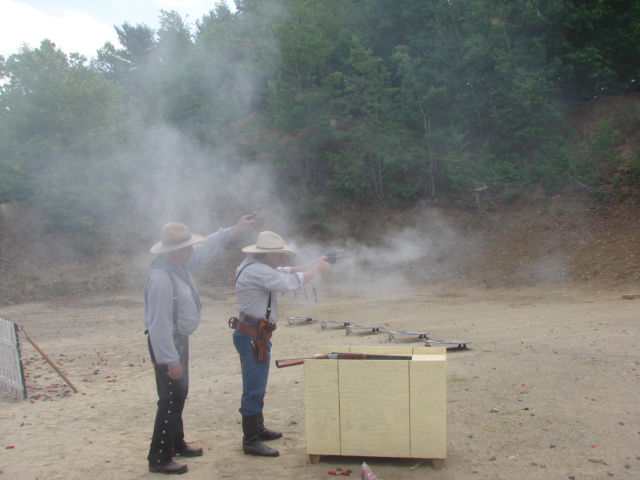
<point>172,313</point>
<point>257,278</point>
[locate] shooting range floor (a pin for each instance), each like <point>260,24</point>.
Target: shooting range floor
<point>549,388</point>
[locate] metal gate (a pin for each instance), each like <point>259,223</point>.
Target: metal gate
<point>11,372</point>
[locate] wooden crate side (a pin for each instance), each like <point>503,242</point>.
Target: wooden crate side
<point>378,350</point>
<point>439,357</point>
<point>428,406</point>
<point>383,350</point>
<point>429,350</point>
<point>322,407</point>
<point>374,407</point>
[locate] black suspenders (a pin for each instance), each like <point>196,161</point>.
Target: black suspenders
<point>268,304</point>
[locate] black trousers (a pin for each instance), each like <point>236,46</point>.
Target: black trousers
<point>168,431</point>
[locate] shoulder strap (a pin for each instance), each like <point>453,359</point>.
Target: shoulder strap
<point>268,308</point>
<point>268,314</point>
<point>162,263</point>
<point>174,310</point>
<point>238,276</point>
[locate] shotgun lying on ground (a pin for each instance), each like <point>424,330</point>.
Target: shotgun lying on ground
<point>341,356</point>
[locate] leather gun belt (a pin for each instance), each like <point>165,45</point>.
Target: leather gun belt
<point>249,326</point>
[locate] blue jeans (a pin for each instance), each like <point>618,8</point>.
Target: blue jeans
<point>254,374</point>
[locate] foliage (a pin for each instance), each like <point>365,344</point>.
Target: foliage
<point>602,166</point>
<point>602,46</point>
<point>371,101</point>
<point>61,122</point>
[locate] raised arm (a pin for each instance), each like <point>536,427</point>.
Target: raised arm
<point>243,223</point>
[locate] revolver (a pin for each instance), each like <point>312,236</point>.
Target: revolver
<point>334,255</point>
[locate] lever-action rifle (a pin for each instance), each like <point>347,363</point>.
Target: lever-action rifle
<point>334,255</point>
<point>341,356</point>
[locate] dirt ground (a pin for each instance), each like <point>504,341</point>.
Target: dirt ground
<point>548,389</point>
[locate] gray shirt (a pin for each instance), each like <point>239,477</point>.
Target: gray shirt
<point>257,281</point>
<point>158,298</point>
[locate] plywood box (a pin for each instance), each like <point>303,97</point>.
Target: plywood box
<point>377,408</point>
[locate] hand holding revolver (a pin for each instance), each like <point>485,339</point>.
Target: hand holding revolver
<point>334,255</point>
<point>309,271</point>
<point>243,223</point>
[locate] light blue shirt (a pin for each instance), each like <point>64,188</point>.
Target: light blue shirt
<point>257,281</point>
<point>158,299</point>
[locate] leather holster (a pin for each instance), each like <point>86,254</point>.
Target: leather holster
<point>259,345</point>
<point>260,336</point>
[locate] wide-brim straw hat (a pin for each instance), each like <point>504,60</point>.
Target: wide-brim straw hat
<point>175,236</point>
<point>269,242</point>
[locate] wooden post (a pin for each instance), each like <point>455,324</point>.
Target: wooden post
<point>44,355</point>
<point>478,191</point>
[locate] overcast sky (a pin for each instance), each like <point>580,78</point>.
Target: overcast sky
<point>84,25</point>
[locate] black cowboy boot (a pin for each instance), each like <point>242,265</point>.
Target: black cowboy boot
<point>188,451</point>
<point>159,462</point>
<point>265,433</point>
<point>168,467</point>
<point>251,443</point>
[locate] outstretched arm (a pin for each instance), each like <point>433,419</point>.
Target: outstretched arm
<point>243,223</point>
<point>319,267</point>
<point>308,266</point>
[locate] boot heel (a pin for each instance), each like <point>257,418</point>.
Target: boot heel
<point>259,449</point>
<point>265,433</point>
<point>251,443</point>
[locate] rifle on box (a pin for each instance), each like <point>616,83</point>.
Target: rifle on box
<point>340,356</point>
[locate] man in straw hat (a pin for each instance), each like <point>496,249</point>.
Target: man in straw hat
<point>257,278</point>
<point>172,313</point>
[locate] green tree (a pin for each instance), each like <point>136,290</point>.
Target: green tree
<point>365,164</point>
<point>602,50</point>
<point>133,67</point>
<point>177,71</point>
<point>226,73</point>
<point>62,124</point>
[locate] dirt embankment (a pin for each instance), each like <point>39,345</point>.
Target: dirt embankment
<point>558,240</point>
<point>566,238</point>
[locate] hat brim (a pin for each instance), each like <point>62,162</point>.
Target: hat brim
<point>286,249</point>
<point>160,248</point>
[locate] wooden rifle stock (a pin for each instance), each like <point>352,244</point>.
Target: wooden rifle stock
<point>340,356</point>
<point>297,361</point>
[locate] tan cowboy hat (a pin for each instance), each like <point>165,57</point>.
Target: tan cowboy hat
<point>269,242</point>
<point>175,236</point>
